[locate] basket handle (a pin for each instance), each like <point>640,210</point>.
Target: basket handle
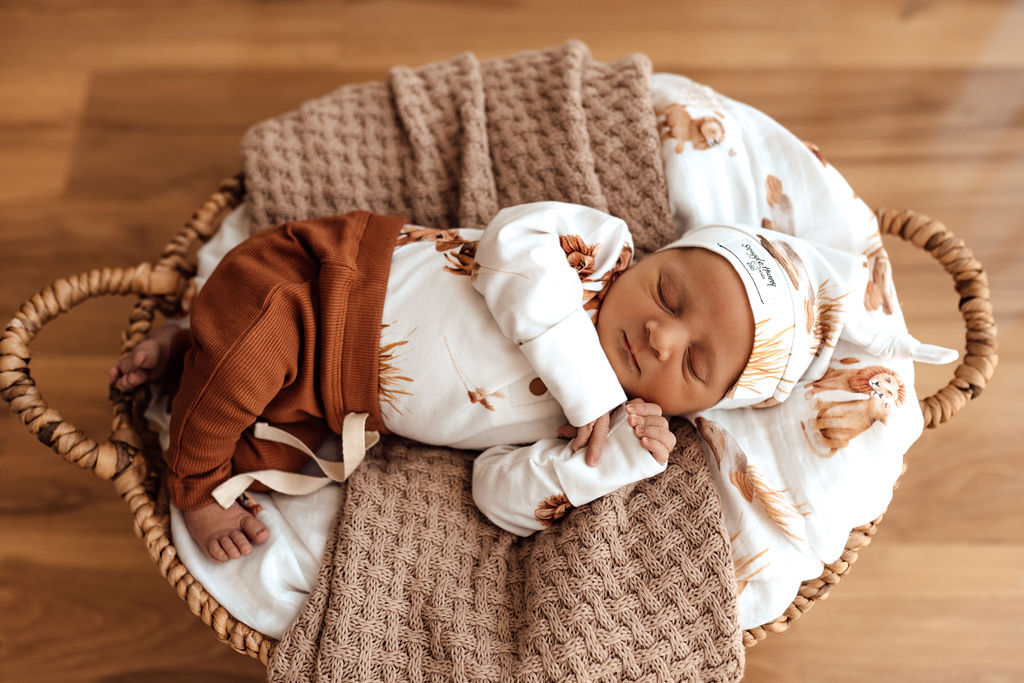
<point>108,459</point>
<point>971,282</point>
<point>163,285</point>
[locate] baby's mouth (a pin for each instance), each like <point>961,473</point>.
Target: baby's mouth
<point>630,356</point>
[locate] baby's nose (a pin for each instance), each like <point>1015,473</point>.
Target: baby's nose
<point>665,336</point>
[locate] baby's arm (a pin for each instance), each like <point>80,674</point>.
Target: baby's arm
<point>532,263</point>
<point>524,489</point>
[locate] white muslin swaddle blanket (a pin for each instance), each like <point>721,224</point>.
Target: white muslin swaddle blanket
<point>796,477</point>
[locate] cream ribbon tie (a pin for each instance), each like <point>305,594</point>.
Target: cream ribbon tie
<point>355,441</point>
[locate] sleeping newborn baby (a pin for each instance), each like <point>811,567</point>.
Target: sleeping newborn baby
<point>536,340</point>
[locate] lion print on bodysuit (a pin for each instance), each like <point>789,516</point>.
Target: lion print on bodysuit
<point>443,239</point>
<point>552,509</point>
<point>462,262</point>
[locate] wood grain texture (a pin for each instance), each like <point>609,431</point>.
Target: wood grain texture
<point>117,118</point>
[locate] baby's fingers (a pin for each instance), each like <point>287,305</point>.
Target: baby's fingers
<point>566,431</point>
<point>125,365</point>
<point>582,436</point>
<point>656,448</point>
<point>640,407</point>
<point>596,442</point>
<point>657,439</point>
<point>648,420</point>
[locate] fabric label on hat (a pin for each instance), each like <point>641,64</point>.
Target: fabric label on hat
<point>757,266</point>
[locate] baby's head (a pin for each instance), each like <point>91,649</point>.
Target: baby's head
<point>708,321</point>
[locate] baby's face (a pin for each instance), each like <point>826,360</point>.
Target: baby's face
<point>677,329</point>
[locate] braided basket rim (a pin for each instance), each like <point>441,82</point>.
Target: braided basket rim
<point>167,286</point>
<point>936,409</point>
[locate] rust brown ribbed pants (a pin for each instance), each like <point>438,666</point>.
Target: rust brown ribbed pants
<point>250,454</point>
<point>286,329</point>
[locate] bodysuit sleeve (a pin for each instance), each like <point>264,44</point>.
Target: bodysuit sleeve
<point>524,489</point>
<point>541,267</point>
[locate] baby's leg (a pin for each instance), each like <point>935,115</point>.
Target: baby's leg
<point>224,534</point>
<point>148,361</point>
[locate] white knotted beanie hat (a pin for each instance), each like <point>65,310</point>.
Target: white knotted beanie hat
<point>803,297</point>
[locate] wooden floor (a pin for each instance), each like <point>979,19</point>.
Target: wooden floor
<point>117,118</point>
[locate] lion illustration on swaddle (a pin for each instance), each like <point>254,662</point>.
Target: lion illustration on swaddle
<point>552,509</point>
<point>880,293</point>
<point>749,481</point>
<point>703,133</point>
<point>879,391</point>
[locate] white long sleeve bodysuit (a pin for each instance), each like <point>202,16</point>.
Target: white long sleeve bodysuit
<point>488,342</point>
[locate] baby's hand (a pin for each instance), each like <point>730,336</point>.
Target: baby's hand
<point>651,428</point>
<point>592,435</point>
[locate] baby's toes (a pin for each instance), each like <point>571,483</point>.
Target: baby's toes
<point>126,382</point>
<point>229,547</point>
<point>241,542</point>
<point>215,552</point>
<point>120,373</point>
<point>254,529</point>
<point>147,354</point>
<point>127,363</point>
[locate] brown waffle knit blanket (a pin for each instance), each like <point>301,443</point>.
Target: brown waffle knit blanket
<point>415,583</point>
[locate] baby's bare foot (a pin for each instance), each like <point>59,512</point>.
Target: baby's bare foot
<point>224,534</point>
<point>137,367</point>
<point>146,362</point>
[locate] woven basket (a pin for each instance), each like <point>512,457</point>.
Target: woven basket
<point>133,462</point>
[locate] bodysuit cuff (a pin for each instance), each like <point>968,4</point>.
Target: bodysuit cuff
<point>623,461</point>
<point>571,363</point>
